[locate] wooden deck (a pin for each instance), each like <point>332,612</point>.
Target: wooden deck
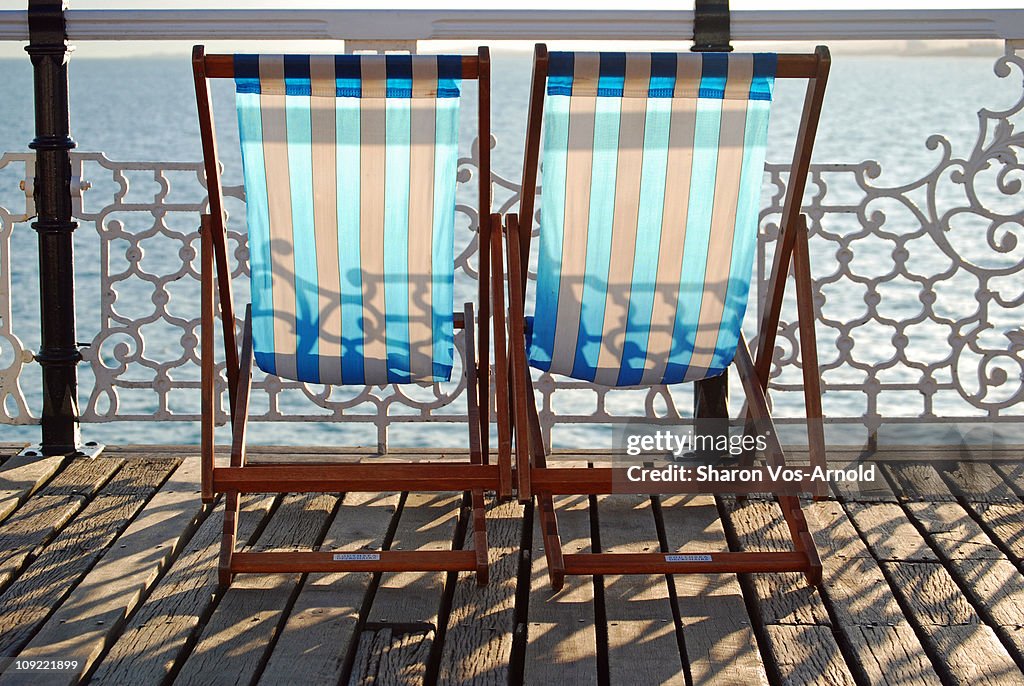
<point>112,562</point>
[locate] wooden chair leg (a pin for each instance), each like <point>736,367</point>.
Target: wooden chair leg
<point>480,537</point>
<point>809,354</point>
<point>208,379</point>
<point>552,542</point>
<point>227,541</point>
<point>758,408</point>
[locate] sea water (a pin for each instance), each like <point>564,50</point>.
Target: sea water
<point>878,107</point>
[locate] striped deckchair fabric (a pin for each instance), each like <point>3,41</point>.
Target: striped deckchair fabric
<point>652,171</point>
<point>350,168</point>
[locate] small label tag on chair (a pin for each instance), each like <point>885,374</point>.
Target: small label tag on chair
<point>355,557</point>
<point>687,558</point>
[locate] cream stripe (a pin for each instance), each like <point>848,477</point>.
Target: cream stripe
<point>624,228</point>
<point>423,120</point>
<point>325,214</point>
<point>282,249</point>
<point>673,223</point>
<point>586,74</point>
<point>372,125</point>
<point>578,165</point>
<point>723,218</point>
<point>688,71</point>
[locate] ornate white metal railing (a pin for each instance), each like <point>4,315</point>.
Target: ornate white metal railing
<point>952,273</point>
<point>13,355</point>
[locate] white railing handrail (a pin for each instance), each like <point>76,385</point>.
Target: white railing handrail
<point>441,24</point>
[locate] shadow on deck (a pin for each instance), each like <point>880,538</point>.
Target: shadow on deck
<point>111,563</point>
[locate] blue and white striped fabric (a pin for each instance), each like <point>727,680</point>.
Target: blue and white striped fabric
<point>652,169</point>
<point>350,170</point>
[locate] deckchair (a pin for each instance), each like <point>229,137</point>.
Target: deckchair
<point>349,164</point>
<point>652,173</point>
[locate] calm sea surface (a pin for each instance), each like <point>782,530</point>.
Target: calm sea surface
<point>143,109</point>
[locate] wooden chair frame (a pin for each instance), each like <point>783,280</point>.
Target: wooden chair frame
<point>533,476</point>
<point>474,476</point>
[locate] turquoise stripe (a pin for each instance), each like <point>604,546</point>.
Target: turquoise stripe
<point>744,243</point>
<point>552,221</point>
<point>307,299</point>
<point>446,163</point>
<point>599,237</point>
<point>396,237</point>
<point>349,262</point>
<point>698,233</point>
<point>648,240</point>
<point>257,215</point>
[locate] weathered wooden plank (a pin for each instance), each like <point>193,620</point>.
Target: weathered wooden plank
<point>978,482</point>
<point>918,481</point>
<point>642,642</point>
<point>1005,521</point>
<point>888,532</point>
<point>878,638</point>
<point>973,656</point>
<point>407,604</point>
<point>30,599</point>
<point>1013,474</point>
<point>987,577</point>
<point>39,519</point>
<point>320,630</point>
<point>561,637</point>
<point>877,491</point>
<point>159,634</point>
<point>891,655</point>
<point>478,640</point>
<point>997,586</point>
<point>719,637</point>
<point>833,532</point>
<point>20,477</point>
<point>783,598</point>
<point>241,629</point>
<point>807,654</point>
<point>933,600</point>
<point>858,593</point>
<point>953,532</point>
<point>931,593</point>
<point>95,611</point>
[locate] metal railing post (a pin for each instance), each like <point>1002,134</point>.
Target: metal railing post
<point>58,353</point>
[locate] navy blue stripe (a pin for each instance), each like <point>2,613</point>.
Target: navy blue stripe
<point>714,74</point>
<point>612,75</point>
<point>663,75</point>
<point>296,75</point>
<point>247,73</point>
<point>399,75</point>
<point>765,65</point>
<point>449,75</point>
<point>348,76</point>
<point>560,70</point>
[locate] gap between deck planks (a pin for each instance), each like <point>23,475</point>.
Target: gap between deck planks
<point>643,646</point>
<point>398,638</point>
<point>717,630</point>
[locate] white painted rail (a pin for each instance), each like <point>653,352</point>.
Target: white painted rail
<point>407,25</point>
